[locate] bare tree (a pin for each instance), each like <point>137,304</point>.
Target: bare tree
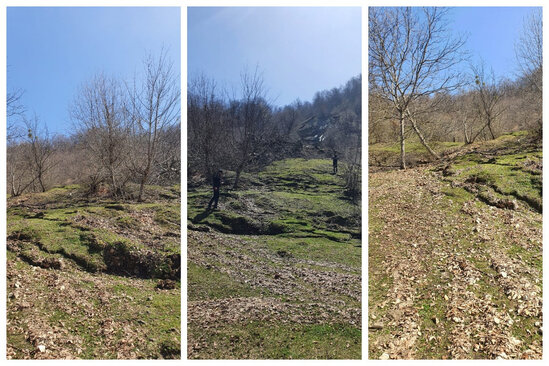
<point>40,151</point>
<point>487,100</point>
<point>153,109</point>
<point>529,49</point>
<point>529,53</point>
<point>411,56</point>
<point>14,108</point>
<point>207,125</point>
<point>287,120</point>
<point>100,115</point>
<point>251,122</point>
<point>464,115</point>
<point>18,169</point>
<point>167,165</point>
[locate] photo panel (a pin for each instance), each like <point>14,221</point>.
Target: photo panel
<point>274,183</point>
<point>455,183</point>
<point>93,254</point>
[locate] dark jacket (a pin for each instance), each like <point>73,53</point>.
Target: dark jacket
<point>216,181</point>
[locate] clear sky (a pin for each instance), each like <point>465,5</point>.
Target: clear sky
<point>492,33</point>
<point>299,50</point>
<point>52,51</point>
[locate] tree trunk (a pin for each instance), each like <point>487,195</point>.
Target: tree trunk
<point>477,134</point>
<point>421,138</point>
<point>402,147</point>
<point>41,183</point>
<point>466,136</point>
<point>13,194</point>
<point>113,182</point>
<point>144,179</point>
<point>141,188</point>
<point>237,178</point>
<point>490,129</point>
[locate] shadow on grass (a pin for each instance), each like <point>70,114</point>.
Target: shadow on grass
<point>201,216</point>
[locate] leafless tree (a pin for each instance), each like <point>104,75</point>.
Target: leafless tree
<point>154,107</point>
<point>287,119</point>
<point>168,159</point>
<point>207,125</point>
<point>412,56</point>
<point>529,53</point>
<point>464,115</point>
<point>529,49</point>
<point>487,100</point>
<point>14,109</point>
<point>18,169</point>
<point>100,113</point>
<point>251,122</point>
<point>40,151</point>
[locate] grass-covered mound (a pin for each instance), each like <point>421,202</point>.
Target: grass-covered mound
<point>502,173</point>
<point>103,276</point>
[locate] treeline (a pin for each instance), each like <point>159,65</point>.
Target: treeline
<point>125,132</point>
<point>478,112</point>
<point>418,87</point>
<point>246,132</point>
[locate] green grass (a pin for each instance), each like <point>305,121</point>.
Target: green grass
<point>208,283</point>
<point>148,313</point>
<point>317,249</point>
<point>506,174</point>
<point>299,197</point>
<point>296,207</point>
<point>255,340</point>
<point>55,231</point>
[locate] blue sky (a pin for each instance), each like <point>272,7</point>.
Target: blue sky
<point>52,51</point>
<point>299,50</point>
<point>492,33</point>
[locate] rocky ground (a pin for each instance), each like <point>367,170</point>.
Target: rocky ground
<point>455,256</point>
<point>275,272</point>
<point>91,278</point>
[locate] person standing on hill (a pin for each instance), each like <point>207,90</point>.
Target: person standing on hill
<point>216,183</point>
<point>334,162</point>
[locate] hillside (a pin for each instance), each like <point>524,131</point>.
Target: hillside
<point>93,277</point>
<point>455,255</point>
<point>275,272</point>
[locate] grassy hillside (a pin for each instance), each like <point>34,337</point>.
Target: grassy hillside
<point>455,256</point>
<point>275,271</point>
<point>93,278</point>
